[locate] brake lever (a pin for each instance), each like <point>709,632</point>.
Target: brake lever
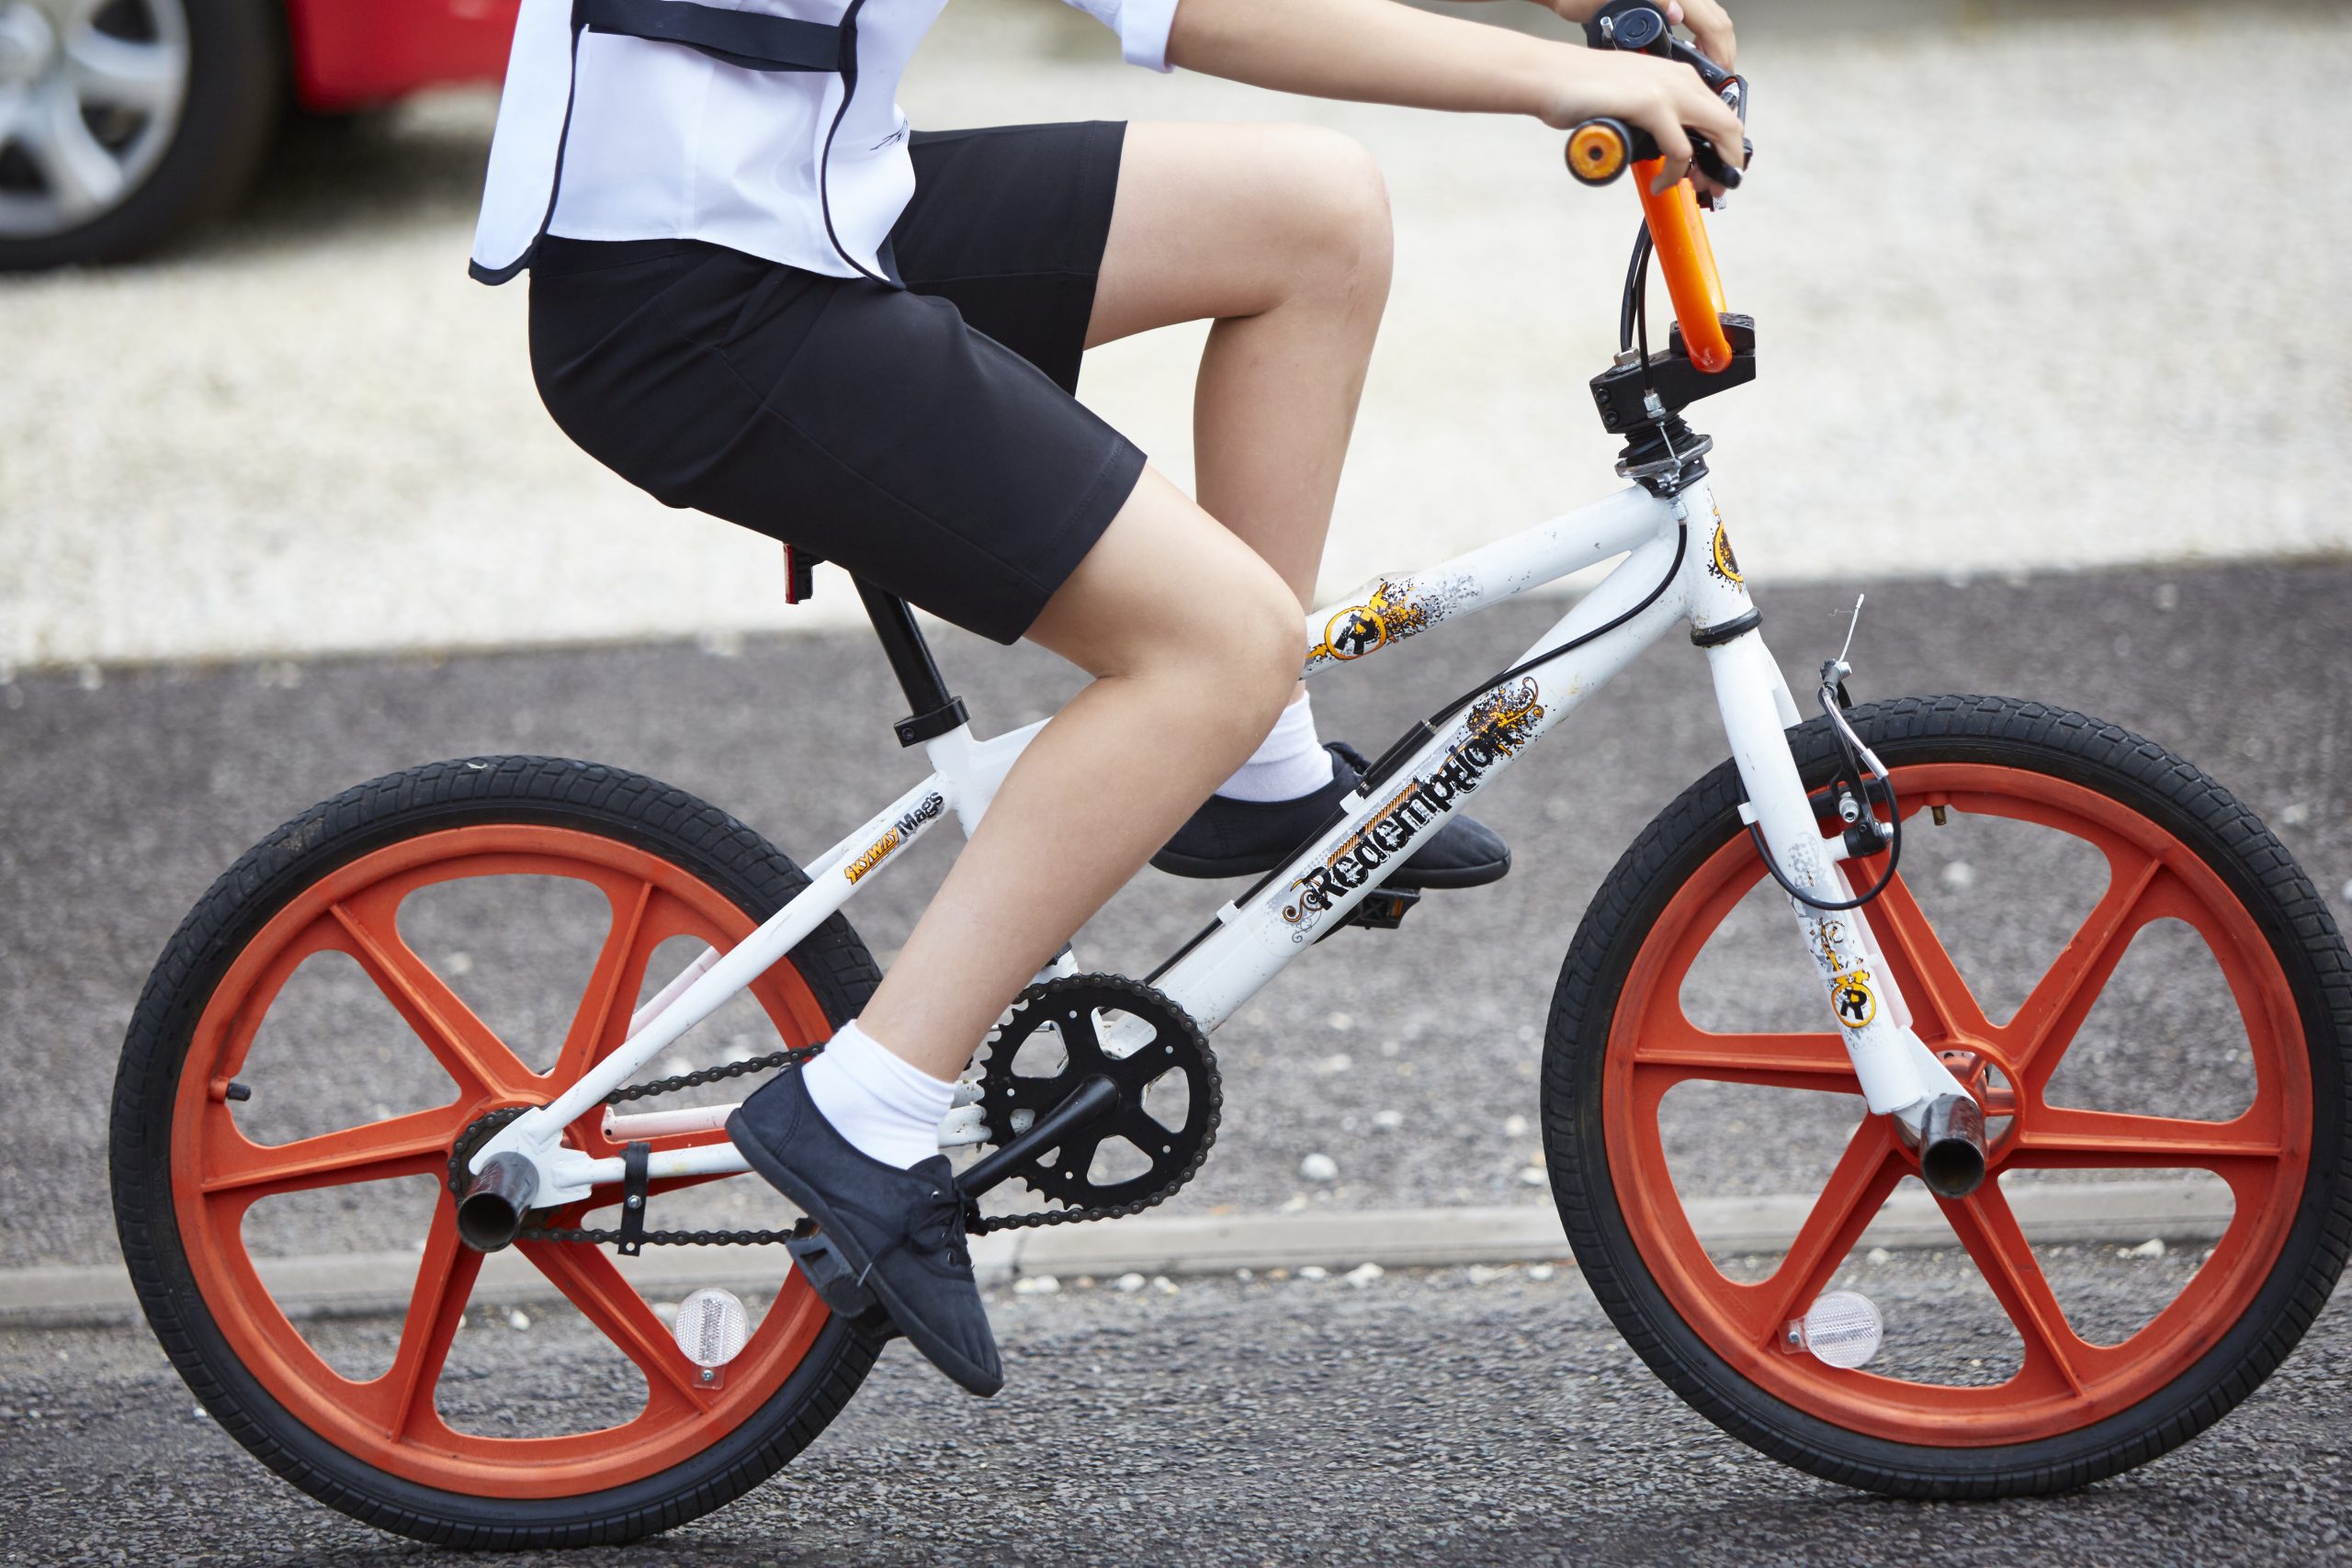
<point>1710,162</point>
<point>1640,25</point>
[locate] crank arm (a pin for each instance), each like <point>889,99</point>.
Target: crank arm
<point>1091,1100</point>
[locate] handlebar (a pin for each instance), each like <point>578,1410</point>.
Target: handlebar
<point>1679,232</point>
<point>1600,150</point>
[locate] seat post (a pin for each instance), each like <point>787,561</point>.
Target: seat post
<point>936,710</point>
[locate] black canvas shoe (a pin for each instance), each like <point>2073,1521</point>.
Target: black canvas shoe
<point>1244,837</point>
<point>899,1232</point>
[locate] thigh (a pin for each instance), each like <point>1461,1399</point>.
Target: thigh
<point>1008,224</point>
<point>1216,220</point>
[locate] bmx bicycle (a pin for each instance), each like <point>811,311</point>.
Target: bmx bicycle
<point>1100,1093</point>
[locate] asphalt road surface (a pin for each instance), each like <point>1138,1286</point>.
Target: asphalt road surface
<point>1422,1418</point>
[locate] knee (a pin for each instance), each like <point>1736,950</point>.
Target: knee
<point>1337,206</point>
<point>1257,651</point>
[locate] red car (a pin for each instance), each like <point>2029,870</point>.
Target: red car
<point>124,122</point>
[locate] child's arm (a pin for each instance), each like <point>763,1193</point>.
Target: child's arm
<point>1378,52</point>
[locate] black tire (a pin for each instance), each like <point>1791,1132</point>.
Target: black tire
<point>2185,802</point>
<point>608,802</point>
<point>237,77</point>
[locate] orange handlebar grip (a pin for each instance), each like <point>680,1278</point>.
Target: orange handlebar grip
<point>1679,232</point>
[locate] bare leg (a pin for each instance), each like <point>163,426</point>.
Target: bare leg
<point>1280,234</point>
<point>1101,786</point>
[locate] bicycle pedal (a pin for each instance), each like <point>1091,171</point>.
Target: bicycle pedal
<point>1383,909</point>
<point>836,1285</point>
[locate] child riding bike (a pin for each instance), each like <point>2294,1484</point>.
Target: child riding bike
<point>756,293</point>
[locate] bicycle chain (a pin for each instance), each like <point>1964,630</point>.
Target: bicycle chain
<point>977,1224</point>
<point>774,1061</point>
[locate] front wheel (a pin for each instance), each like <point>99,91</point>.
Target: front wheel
<point>2150,1003</point>
<point>334,1029</point>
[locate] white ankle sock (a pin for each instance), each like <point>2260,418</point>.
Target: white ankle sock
<point>1290,763</point>
<point>885,1105</point>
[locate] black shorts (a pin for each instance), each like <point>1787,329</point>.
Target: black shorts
<point>926,439</point>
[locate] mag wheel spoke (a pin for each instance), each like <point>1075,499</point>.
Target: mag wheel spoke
<point>1680,1052</point>
<point>477,1058</point>
<point>445,1282</point>
<point>590,1281</point>
<point>1942,1006</point>
<point>1866,1176</point>
<point>2064,1138</point>
<point>2056,1358</point>
<point>601,1021</point>
<point>415,1145</point>
<point>2046,1024</point>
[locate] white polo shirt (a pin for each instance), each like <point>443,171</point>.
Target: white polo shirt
<point>771,126</point>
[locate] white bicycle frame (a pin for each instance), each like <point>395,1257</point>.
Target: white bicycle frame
<point>1254,936</point>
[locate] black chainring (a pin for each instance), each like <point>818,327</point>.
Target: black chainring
<point>1011,1100</point>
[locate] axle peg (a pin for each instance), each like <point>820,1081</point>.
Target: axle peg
<point>1950,1141</point>
<point>490,1214</point>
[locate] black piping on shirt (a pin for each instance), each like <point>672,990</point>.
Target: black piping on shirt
<point>825,164</point>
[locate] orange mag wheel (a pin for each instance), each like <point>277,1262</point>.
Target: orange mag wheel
<point>2129,974</point>
<point>250,1121</point>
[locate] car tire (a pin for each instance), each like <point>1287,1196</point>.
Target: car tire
<point>233,92</point>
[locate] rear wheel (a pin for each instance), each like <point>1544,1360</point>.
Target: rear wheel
<point>2147,998</point>
<point>328,1030</point>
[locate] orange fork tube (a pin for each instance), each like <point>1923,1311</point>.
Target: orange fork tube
<point>1679,232</point>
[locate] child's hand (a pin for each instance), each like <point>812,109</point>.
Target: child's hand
<point>1662,97</point>
<point>1710,25</point>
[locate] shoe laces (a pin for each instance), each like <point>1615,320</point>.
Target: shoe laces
<point>935,1221</point>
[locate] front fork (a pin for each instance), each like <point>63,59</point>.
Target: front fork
<point>1899,1075</point>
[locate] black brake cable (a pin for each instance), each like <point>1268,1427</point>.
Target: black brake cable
<point>1635,274</point>
<point>1674,569</point>
<point>1632,321</point>
<point>1640,282</point>
<point>1851,752</point>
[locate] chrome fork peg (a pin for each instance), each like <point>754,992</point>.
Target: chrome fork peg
<point>490,1216</point>
<point>1949,1142</point>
